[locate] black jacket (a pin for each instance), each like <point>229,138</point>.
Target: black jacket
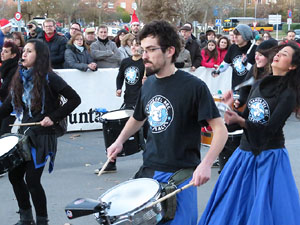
<point>7,71</point>
<point>195,52</point>
<point>57,47</point>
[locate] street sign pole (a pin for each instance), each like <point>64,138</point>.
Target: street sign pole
<point>19,10</point>
<point>277,18</point>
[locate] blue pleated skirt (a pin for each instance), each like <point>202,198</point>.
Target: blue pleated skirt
<point>254,190</point>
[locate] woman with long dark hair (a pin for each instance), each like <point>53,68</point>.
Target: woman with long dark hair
<point>10,57</point>
<point>256,185</point>
<point>35,93</point>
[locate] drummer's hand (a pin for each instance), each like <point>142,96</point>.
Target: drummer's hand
<point>118,92</point>
<point>201,174</point>
<point>231,117</point>
<point>236,104</point>
<point>114,150</point>
<point>46,122</point>
<point>228,98</point>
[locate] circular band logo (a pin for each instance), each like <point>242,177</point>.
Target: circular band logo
<point>238,65</point>
<point>132,75</point>
<point>259,111</point>
<point>160,113</point>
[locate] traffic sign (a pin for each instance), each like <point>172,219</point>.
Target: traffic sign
<point>218,22</point>
<point>289,13</point>
<point>18,16</point>
<point>274,19</point>
<point>254,24</point>
<point>289,20</point>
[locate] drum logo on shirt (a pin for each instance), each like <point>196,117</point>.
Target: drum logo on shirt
<point>259,110</point>
<point>160,113</point>
<point>239,66</point>
<point>132,75</point>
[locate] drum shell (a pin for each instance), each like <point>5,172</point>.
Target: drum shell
<point>231,145</point>
<point>15,157</point>
<point>111,131</point>
<point>206,138</point>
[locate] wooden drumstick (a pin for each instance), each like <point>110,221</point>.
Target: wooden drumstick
<point>103,167</point>
<point>26,124</point>
<point>170,195</point>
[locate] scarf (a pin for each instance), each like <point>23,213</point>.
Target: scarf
<point>48,38</point>
<point>80,48</point>
<point>27,80</point>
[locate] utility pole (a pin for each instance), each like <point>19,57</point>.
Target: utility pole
<point>19,10</point>
<point>245,7</point>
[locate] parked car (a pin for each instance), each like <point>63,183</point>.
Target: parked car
<point>24,30</point>
<point>297,31</point>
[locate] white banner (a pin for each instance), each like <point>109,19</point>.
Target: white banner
<point>98,90</point>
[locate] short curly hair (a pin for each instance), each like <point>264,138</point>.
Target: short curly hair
<point>165,33</point>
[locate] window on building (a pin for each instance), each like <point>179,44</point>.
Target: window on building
<point>123,5</point>
<point>134,6</point>
<point>110,5</point>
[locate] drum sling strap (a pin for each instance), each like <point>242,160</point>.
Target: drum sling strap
<point>170,204</point>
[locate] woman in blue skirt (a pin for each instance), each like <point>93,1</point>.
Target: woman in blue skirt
<point>256,186</point>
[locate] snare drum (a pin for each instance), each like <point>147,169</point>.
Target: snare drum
<point>13,151</point>
<point>129,200</point>
<point>206,138</point>
<point>113,123</point>
<point>232,143</point>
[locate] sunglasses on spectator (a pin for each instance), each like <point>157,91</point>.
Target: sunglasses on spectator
<point>29,26</point>
<point>73,28</point>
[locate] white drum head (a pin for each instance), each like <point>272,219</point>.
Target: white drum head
<point>130,195</point>
<point>120,114</point>
<point>7,143</point>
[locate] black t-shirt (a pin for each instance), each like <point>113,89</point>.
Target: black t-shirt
<point>132,72</point>
<point>176,106</point>
<point>269,105</point>
<point>234,57</point>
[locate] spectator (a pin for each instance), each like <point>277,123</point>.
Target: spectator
<point>266,35</point>
<point>5,27</point>
<point>192,46</point>
<point>210,58</point>
<point>90,36</point>
<point>202,38</point>
<point>75,28</point>
<point>222,46</point>
<point>19,40</point>
<point>34,29</point>
<point>192,29</point>
<point>104,51</point>
<point>10,58</point>
<point>184,58</point>
<point>218,36</point>
<point>290,37</point>
<point>125,48</point>
<point>121,33</point>
<point>134,24</point>
<point>231,36</point>
<point>210,35</point>
<point>55,42</point>
<point>77,55</point>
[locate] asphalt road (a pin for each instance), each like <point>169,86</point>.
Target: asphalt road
<point>80,153</point>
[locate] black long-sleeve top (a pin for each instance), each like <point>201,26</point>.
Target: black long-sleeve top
<point>269,105</point>
<point>55,87</point>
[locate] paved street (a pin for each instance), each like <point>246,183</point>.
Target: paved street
<point>80,153</point>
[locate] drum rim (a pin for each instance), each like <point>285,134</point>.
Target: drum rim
<point>106,119</point>
<point>128,181</point>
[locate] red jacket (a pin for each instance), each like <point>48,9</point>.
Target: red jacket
<point>211,62</point>
<point>222,53</point>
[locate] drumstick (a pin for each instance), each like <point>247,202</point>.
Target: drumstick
<point>103,167</point>
<point>25,124</point>
<point>170,195</point>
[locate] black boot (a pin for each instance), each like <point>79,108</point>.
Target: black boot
<point>41,220</point>
<point>26,217</point>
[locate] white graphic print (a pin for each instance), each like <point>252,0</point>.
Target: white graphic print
<point>160,113</point>
<point>132,75</point>
<point>259,111</point>
<point>239,66</point>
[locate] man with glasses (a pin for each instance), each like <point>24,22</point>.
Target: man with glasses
<point>55,42</point>
<point>74,29</point>
<point>176,105</point>
<point>34,29</point>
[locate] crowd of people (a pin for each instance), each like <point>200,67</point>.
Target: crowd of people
<point>171,104</point>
